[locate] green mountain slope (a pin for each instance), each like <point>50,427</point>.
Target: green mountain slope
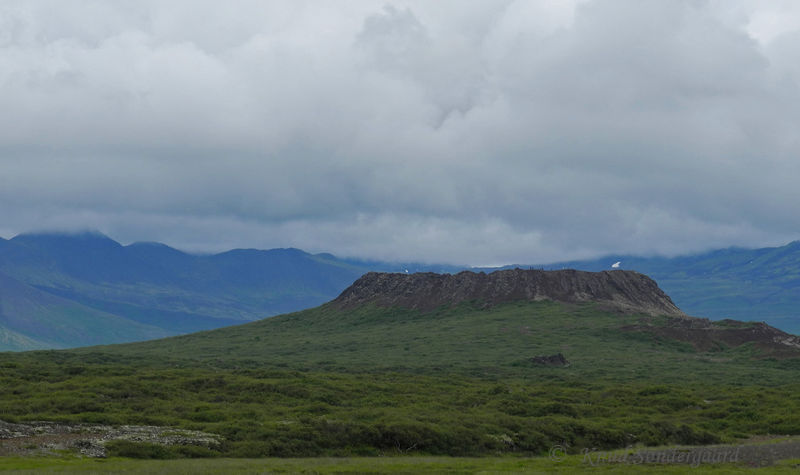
<point>13,341</point>
<point>471,337</point>
<point>464,339</point>
<point>237,285</point>
<point>30,319</point>
<point>153,285</point>
<point>479,374</point>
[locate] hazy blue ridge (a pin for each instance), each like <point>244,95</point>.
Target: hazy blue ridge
<point>742,284</point>
<point>147,289</point>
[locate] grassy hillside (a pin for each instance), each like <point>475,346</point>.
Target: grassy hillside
<point>463,339</point>
<point>457,381</point>
<point>30,318</point>
<point>13,341</point>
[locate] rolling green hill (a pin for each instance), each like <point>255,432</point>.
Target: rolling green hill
<point>58,322</point>
<point>465,339</point>
<point>13,341</point>
<point>471,376</point>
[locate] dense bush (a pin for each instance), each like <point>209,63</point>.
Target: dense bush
<point>138,450</point>
<point>145,450</point>
<point>463,386</point>
<point>392,413</point>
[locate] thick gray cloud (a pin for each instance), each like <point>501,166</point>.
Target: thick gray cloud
<point>508,131</point>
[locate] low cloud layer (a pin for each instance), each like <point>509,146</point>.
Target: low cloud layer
<point>508,131</point>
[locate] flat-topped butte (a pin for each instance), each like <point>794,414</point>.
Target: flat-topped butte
<point>624,290</point>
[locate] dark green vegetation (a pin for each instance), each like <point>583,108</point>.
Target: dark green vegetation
<point>455,381</point>
<point>62,290</point>
<point>742,284</point>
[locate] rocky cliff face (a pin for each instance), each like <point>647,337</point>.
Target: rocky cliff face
<point>624,290</point>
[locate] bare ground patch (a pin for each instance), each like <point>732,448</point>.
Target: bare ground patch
<point>42,438</point>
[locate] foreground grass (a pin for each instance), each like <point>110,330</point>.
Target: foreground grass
<point>455,382</point>
<point>569,464</point>
<point>297,414</point>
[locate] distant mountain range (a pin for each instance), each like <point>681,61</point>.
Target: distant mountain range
<point>742,284</point>
<point>68,290</point>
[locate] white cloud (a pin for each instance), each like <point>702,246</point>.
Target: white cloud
<point>506,131</point>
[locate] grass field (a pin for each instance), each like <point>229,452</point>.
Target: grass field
<point>388,382</point>
<point>543,465</point>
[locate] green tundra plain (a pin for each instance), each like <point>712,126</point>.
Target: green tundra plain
<point>391,382</point>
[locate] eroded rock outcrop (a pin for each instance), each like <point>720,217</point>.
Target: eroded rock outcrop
<point>628,291</point>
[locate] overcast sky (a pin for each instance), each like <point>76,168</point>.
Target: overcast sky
<point>476,133</point>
